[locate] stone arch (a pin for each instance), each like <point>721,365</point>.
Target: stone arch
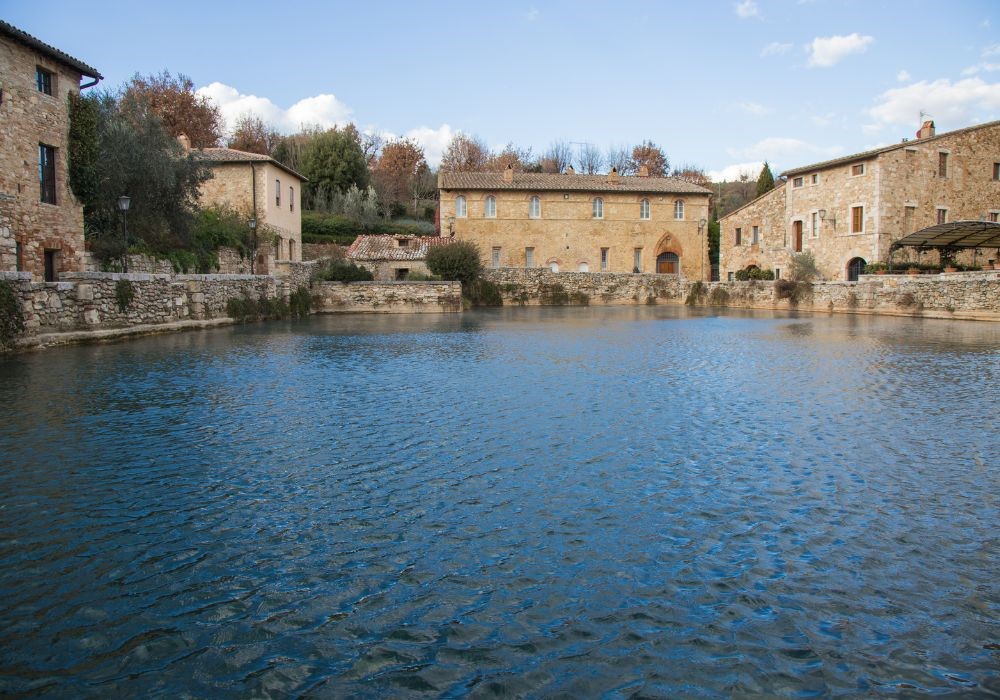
<point>669,254</point>
<point>554,264</point>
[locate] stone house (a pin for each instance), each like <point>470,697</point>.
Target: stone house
<point>393,257</point>
<point>262,188</point>
<point>580,223</point>
<point>849,210</point>
<point>41,222</point>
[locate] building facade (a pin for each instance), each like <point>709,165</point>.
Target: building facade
<point>393,257</point>
<point>41,222</point>
<point>580,223</point>
<point>849,210</point>
<point>261,188</point>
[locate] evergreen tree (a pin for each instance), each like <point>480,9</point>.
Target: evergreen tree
<point>765,181</point>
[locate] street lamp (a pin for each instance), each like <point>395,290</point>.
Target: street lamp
<point>704,245</point>
<point>253,257</point>
<point>123,204</point>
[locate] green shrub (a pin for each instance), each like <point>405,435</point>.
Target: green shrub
<point>319,227</point>
<point>718,296</point>
<point>421,277</point>
<point>458,261</point>
<point>124,294</point>
<point>483,293</point>
<point>697,292</point>
<point>246,308</point>
<point>300,302</point>
<point>343,271</point>
<point>11,316</point>
<point>804,268</point>
<point>553,295</point>
<point>579,298</point>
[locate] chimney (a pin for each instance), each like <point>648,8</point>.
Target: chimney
<point>570,170</point>
<point>643,171</point>
<point>926,130</point>
<point>185,142</point>
<point>508,173</point>
<point>613,176</point>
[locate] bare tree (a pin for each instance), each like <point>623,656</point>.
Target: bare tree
<point>465,154</point>
<point>619,157</point>
<point>519,158</point>
<point>589,159</point>
<point>647,154</point>
<point>556,158</point>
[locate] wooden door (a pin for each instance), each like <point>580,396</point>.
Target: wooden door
<point>797,236</point>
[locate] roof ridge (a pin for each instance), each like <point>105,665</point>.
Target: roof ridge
<point>48,49</point>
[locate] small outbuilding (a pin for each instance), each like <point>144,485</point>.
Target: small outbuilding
<point>393,256</point>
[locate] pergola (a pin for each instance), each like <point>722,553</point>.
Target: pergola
<point>954,235</point>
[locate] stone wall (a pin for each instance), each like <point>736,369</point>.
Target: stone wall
<point>539,286</point>
<point>322,251</point>
<point>387,297</point>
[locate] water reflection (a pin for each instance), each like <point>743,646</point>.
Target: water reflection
<point>635,500</point>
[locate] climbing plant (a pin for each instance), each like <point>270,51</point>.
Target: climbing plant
<point>11,316</point>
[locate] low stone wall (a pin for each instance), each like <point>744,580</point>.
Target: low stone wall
<point>387,297</point>
<point>541,286</point>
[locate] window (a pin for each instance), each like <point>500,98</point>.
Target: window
<point>490,210</point>
<point>942,215</point>
<point>598,208</point>
<point>637,260</point>
<point>461,211</point>
<point>730,277</point>
<point>858,169</point>
<point>756,236</point>
<point>43,79</point>
<point>535,208</point>
<point>291,249</point>
<point>47,173</point>
<point>277,193</point>
<point>644,209</point>
<point>777,273</point>
<point>679,209</point>
<point>291,199</point>
<point>604,259</point>
<point>815,224</point>
<point>797,182</point>
<point>50,265</point>
<point>739,237</point>
<point>495,261</point>
<point>994,216</point>
<point>19,256</point>
<point>402,273</point>
<point>529,257</point>
<point>942,164</point>
<point>857,219</point>
<point>996,171</point>
<point>815,178</point>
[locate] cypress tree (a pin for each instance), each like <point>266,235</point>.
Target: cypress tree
<point>765,181</point>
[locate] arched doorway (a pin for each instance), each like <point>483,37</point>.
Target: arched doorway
<point>855,267</point>
<point>668,264</point>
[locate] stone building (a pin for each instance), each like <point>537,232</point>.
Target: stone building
<point>41,223</point>
<point>262,188</point>
<point>393,257</point>
<point>580,223</point>
<point>848,211</point>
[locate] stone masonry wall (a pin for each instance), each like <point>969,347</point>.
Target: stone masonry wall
<point>520,286</point>
<point>387,297</point>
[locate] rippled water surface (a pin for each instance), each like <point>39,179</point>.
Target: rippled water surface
<point>612,501</point>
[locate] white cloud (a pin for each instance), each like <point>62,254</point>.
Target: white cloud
<point>747,8</point>
<point>323,110</point>
<point>961,102</point>
<point>826,51</point>
<point>532,14</point>
<point>986,65</point>
<point>775,48</point>
<point>732,172</point>
<point>902,76</point>
<point>776,148</point>
<point>823,120</point>
<point>985,24</point>
<point>991,51</point>
<point>754,108</point>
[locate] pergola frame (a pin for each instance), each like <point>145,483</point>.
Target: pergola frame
<point>954,235</point>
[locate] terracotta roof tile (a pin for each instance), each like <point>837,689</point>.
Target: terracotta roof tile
<point>567,183</point>
<point>387,247</point>
<point>48,50</point>
<point>231,155</point>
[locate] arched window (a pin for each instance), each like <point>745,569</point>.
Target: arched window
<point>855,268</point>
<point>535,208</point>
<point>583,267</point>
<point>644,209</point>
<point>490,210</point>
<point>553,265</point>
<point>461,211</point>
<point>679,209</point>
<point>598,208</point>
<point>668,264</point>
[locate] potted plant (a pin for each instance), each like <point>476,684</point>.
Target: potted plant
<point>948,260</point>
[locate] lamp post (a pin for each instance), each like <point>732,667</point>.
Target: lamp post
<point>704,244</point>
<point>123,204</point>
<point>253,256</point>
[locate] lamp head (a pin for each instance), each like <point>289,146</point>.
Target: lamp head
<point>124,202</point>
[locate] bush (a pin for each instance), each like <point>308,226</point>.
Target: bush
<point>804,268</point>
<point>247,308</point>
<point>718,296</point>
<point>792,290</point>
<point>343,271</point>
<point>319,227</point>
<point>300,302</point>
<point>483,293</point>
<point>696,293</point>
<point>124,294</point>
<point>421,277</point>
<point>553,295</point>
<point>11,316</point>
<point>458,261</point>
<point>753,273</point>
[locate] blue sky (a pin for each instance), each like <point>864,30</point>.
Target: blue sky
<point>717,84</point>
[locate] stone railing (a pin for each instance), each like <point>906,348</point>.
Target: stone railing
<point>387,297</point>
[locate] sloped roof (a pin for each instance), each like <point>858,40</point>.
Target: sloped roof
<point>865,155</point>
<point>48,50</point>
<point>387,247</point>
<point>231,155</point>
<point>954,234</point>
<point>567,183</point>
